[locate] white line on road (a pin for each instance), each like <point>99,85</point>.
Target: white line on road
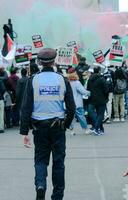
<point>97,175</point>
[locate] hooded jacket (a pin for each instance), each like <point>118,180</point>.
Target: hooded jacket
<point>99,89</point>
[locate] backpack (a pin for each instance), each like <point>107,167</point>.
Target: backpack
<point>109,81</point>
<point>121,86</point>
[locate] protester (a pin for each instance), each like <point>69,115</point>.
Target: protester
<point>43,102</point>
<point>12,83</point>
<point>120,87</point>
<point>2,91</point>
<point>109,77</point>
<point>81,68</point>
<point>33,69</point>
<point>125,69</point>
<point>20,87</point>
<point>8,109</point>
<point>3,74</point>
<point>78,92</point>
<point>86,76</point>
<point>97,101</point>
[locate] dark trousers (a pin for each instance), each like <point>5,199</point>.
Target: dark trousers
<point>15,115</point>
<point>96,114</point>
<point>47,140</point>
<point>8,116</point>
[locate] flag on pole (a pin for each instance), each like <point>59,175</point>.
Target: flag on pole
<point>9,43</point>
<point>7,60</point>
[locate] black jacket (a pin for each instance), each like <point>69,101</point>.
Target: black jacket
<point>109,77</point>
<point>20,88</point>
<point>2,90</point>
<point>99,90</point>
<point>28,101</point>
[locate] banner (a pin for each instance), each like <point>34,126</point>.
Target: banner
<point>64,56</point>
<point>37,41</point>
<point>99,57</point>
<point>116,55</point>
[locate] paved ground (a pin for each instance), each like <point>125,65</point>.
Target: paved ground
<point>94,166</point>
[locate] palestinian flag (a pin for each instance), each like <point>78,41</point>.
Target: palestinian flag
<point>8,45</point>
<point>8,52</point>
<point>115,57</point>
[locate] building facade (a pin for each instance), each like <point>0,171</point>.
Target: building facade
<point>112,5</point>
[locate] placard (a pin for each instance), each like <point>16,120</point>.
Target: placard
<point>116,55</point>
<point>37,41</point>
<point>99,57</point>
<point>28,51</point>
<point>64,56</point>
<point>73,44</point>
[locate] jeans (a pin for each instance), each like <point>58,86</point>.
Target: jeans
<point>50,140</point>
<point>81,118</point>
<point>15,115</point>
<point>96,114</point>
<point>8,116</point>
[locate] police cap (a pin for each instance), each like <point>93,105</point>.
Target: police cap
<point>47,55</point>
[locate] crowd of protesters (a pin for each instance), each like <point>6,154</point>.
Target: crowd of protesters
<point>12,86</point>
<point>100,94</point>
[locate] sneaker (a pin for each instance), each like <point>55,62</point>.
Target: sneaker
<point>92,130</point>
<point>101,132</point>
<point>97,133</point>
<point>105,119</point>
<point>87,131</point>
<point>108,121</point>
<point>116,120</point>
<point>122,119</point>
<point>40,193</point>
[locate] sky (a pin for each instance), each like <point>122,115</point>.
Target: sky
<point>123,5</point>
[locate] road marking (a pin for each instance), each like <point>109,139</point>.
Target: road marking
<point>97,174</point>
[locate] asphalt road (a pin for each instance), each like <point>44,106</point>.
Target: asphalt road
<point>94,166</point>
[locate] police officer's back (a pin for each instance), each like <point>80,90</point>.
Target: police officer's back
<point>43,102</point>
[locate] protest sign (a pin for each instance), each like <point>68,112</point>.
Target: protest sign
<point>28,51</point>
<point>99,57</point>
<point>116,55</point>
<point>21,56</point>
<point>73,44</point>
<point>37,41</point>
<point>64,56</point>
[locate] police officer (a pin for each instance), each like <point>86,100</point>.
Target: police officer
<point>48,101</point>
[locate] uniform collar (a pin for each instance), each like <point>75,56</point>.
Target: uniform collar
<point>48,69</point>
